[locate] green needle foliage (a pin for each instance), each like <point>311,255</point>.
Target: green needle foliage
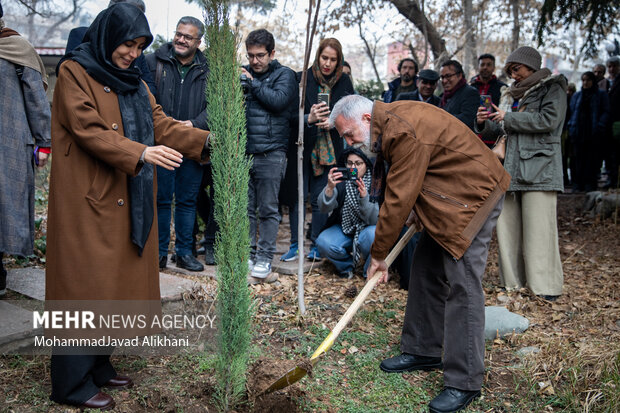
<point>230,175</point>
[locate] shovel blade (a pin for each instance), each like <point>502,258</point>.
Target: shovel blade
<point>292,376</point>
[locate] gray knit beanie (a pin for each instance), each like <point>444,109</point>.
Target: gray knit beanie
<point>524,55</point>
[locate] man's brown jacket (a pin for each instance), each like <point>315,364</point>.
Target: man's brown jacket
<point>437,167</point>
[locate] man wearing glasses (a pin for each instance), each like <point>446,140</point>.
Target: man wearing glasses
<point>270,93</point>
<point>180,73</point>
<point>458,98</point>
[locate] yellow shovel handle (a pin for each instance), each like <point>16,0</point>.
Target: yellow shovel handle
<point>361,297</point>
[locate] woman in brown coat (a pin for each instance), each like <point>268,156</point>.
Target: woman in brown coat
<point>107,133</point>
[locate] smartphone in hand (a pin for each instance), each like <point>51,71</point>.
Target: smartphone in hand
<point>485,100</point>
<point>324,97</point>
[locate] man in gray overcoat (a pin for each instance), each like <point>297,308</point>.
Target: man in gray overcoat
<point>24,141</point>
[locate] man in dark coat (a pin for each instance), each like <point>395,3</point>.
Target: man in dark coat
<point>426,83</point>
<point>485,81</point>
<point>613,148</point>
<point>180,72</point>
<point>408,70</point>
<point>24,140</point>
<point>602,82</point>
<point>270,90</point>
<point>458,98</point>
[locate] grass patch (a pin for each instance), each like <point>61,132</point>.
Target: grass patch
<point>349,380</point>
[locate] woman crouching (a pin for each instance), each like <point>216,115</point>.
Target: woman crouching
<point>350,228</point>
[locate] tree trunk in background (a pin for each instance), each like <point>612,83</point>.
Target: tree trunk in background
<point>470,39</point>
<point>412,11</point>
<point>516,25</point>
<point>370,52</point>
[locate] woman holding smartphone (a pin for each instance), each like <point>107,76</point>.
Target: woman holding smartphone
<point>531,113</point>
<point>322,146</point>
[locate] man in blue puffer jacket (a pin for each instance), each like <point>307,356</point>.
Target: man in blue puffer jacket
<point>270,90</point>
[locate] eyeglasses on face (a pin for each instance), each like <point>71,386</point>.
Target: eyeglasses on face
<point>187,37</point>
<point>355,164</point>
<point>447,76</point>
<point>428,82</point>
<point>513,69</point>
<point>257,56</point>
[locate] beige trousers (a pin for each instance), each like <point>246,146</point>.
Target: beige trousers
<point>527,234</point>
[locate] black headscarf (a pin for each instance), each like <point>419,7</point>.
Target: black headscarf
<point>112,27</point>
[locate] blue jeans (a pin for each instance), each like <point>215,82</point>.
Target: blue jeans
<point>182,183</point>
<point>334,245</point>
<point>313,185</point>
<point>266,174</point>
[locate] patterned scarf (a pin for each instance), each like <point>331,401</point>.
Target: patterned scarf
<point>323,154</point>
<point>352,223</point>
<point>330,81</point>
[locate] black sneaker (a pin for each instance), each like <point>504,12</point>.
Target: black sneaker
<point>410,362</point>
<point>452,400</point>
<point>209,255</point>
<point>189,262</point>
<point>163,261</point>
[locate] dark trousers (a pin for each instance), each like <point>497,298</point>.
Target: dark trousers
<point>76,378</point>
<point>206,206</point>
<point>266,174</point>
<point>182,184</point>
<point>403,261</point>
<point>445,307</point>
<point>585,165</point>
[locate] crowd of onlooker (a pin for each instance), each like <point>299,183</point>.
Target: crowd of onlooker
<point>176,74</point>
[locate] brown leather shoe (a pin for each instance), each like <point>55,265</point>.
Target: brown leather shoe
<point>119,382</point>
<point>99,401</point>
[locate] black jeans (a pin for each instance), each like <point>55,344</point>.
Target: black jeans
<point>266,174</point>
<point>206,206</point>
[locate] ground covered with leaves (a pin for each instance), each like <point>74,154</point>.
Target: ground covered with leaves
<point>567,361</point>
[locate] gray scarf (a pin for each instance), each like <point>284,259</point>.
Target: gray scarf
<point>518,89</point>
<point>138,124</point>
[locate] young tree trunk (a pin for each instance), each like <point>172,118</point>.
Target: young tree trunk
<point>231,170</point>
<point>301,208</point>
<point>412,11</point>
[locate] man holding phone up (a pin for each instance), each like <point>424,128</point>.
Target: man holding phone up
<point>270,90</point>
<point>488,85</point>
